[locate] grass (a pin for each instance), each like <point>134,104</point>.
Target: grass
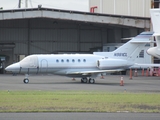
<point>79,101</point>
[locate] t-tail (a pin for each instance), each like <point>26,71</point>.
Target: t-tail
<point>130,50</point>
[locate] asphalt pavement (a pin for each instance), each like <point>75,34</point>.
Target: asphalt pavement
<point>79,116</point>
<point>110,83</point>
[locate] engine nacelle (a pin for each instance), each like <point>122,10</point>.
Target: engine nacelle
<point>154,51</point>
<point>113,63</point>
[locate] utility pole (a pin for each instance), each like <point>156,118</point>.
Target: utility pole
<point>19,4</point>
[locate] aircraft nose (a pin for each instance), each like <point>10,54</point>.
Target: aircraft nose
<point>13,67</point>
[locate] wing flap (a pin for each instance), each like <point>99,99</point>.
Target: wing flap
<point>94,72</point>
<point>138,42</point>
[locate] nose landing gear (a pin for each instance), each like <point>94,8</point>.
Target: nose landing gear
<point>26,80</point>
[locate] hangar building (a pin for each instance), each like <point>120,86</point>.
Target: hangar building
<point>46,31</point>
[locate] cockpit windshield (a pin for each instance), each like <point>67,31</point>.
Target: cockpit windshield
<point>29,61</point>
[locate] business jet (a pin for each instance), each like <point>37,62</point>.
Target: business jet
<point>155,18</point>
<point>84,66</point>
<point>154,51</point>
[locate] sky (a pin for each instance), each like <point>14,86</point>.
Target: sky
<point>78,5</point>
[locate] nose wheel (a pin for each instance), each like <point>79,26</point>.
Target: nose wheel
<point>26,80</point>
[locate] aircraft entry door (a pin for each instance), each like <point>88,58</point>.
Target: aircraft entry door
<point>44,66</point>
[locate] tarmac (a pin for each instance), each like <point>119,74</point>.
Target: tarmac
<point>110,83</point>
<point>79,116</point>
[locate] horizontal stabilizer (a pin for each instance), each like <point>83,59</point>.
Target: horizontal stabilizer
<point>156,34</point>
<point>144,37</point>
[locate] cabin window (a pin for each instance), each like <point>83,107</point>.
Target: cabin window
<point>79,60</point>
<point>73,60</point>
<point>67,60</point>
<point>84,60</point>
<point>62,60</point>
<point>57,61</point>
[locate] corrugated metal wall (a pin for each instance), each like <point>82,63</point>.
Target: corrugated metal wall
<point>39,36</point>
<point>122,7</point>
<point>107,6</point>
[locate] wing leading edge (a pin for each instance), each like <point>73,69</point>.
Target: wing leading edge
<point>93,72</point>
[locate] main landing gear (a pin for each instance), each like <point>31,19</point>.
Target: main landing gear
<point>85,80</point>
<point>26,80</point>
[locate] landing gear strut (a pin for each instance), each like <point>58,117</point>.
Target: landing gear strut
<point>26,80</point>
<point>84,80</point>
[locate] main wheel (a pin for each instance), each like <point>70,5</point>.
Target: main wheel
<point>92,81</point>
<point>26,80</point>
<point>84,80</point>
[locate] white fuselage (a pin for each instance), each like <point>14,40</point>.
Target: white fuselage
<point>66,64</point>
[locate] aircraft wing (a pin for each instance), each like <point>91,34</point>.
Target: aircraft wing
<point>147,65</point>
<point>94,71</point>
<point>138,42</point>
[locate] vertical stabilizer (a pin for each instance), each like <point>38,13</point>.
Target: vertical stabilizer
<point>130,50</point>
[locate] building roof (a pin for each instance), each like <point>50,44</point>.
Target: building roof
<point>29,13</point>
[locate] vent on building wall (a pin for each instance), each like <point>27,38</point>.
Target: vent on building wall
<point>92,9</point>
